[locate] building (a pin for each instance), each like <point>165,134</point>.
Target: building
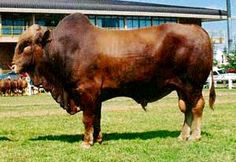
<point>17,15</point>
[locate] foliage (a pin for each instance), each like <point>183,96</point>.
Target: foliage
<point>231,57</point>
<point>36,129</point>
<point>215,62</point>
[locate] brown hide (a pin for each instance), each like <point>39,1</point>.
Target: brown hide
<point>14,86</point>
<point>82,65</point>
<point>21,85</point>
<point>5,87</point>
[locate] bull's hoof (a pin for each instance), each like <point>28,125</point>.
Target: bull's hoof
<point>183,138</point>
<point>194,138</point>
<point>99,140</point>
<point>85,145</point>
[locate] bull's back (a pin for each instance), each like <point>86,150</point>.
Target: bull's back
<point>137,55</point>
<point>169,47</point>
<point>122,43</point>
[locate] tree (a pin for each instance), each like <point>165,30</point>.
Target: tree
<point>231,66</point>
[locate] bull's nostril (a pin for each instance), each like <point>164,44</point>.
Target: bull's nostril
<point>13,67</point>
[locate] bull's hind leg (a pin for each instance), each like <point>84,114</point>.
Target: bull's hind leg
<point>197,111</point>
<point>192,107</point>
<point>188,118</point>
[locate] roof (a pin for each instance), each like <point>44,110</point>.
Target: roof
<point>104,5</point>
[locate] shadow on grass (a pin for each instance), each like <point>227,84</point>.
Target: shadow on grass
<point>5,139</point>
<point>141,135</point>
<point>112,136</point>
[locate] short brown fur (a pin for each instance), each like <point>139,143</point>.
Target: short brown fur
<point>82,66</point>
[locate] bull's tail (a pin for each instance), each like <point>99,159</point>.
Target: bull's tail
<point>212,94</point>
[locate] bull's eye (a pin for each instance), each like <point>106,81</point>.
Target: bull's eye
<point>23,45</point>
<point>27,49</point>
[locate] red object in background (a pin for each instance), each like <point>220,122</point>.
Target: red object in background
<point>23,75</point>
<point>231,70</point>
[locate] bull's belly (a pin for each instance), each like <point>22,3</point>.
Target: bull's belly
<point>141,92</point>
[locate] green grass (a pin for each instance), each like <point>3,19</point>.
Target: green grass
<point>35,128</point>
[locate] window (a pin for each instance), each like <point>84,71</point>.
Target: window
<point>138,22</point>
<point>110,21</point>
<point>41,22</point>
<point>132,22</point>
<point>13,26</point>
<point>121,22</point>
<point>92,19</point>
<point>48,20</point>
<point>145,22</point>
<point>155,22</point>
<point>18,26</point>
<point>159,21</point>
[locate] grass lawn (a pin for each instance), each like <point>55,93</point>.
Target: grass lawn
<point>35,128</point>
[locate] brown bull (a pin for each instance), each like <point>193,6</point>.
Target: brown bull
<point>82,66</point>
<point>21,86</point>
<point>5,87</point>
<point>14,87</point>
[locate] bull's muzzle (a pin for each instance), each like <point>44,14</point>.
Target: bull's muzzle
<point>14,68</point>
<point>71,107</point>
<point>73,111</point>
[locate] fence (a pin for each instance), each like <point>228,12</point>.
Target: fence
<point>12,30</point>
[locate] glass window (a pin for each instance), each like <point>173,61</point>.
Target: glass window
<point>162,21</point>
<point>41,22</point>
<point>148,22</point>
<point>48,20</point>
<point>158,21</point>
<point>121,22</point>
<point>7,26</point>
<point>13,26</point>
<point>138,22</point>
<point>145,22</point>
<point>110,21</point>
<point>142,22</point>
<point>132,22</point>
<point>135,22</point>
<point>99,21</point>
<point>129,22</point>
<point>18,26</point>
<point>92,19</point>
<point>172,20</point>
<point>155,21</point>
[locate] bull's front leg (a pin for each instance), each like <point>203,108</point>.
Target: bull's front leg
<point>97,134</point>
<point>88,120</point>
<point>91,120</point>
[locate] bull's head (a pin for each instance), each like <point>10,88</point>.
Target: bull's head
<point>29,48</point>
<point>27,58</point>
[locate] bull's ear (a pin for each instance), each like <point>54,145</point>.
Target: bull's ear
<point>42,38</point>
<point>45,38</point>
